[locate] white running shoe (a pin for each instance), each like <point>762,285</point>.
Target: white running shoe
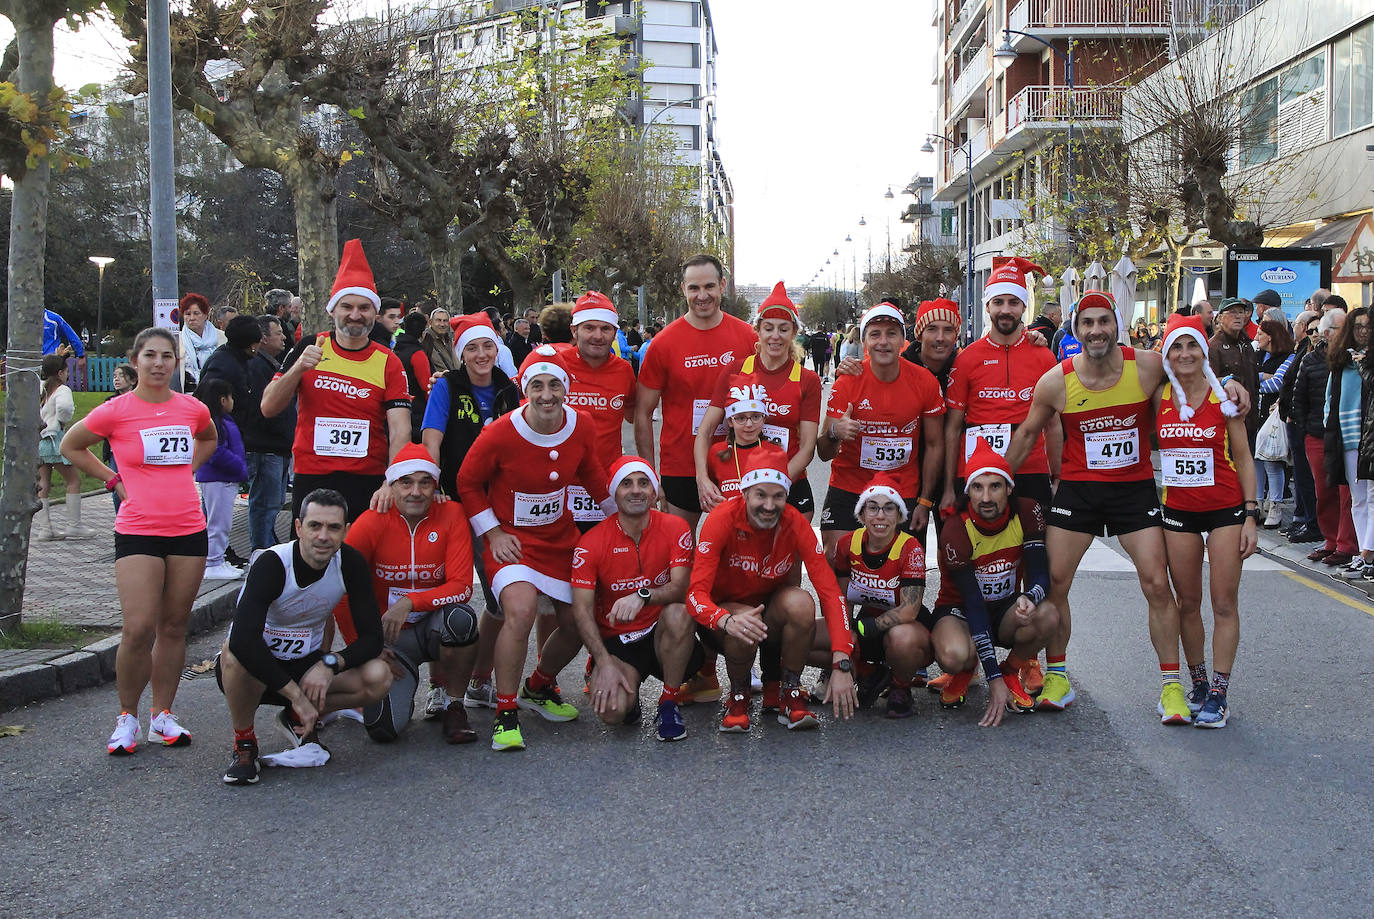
<point>223,572</point>
<point>165,730</point>
<point>480,695</point>
<point>755,681</point>
<point>126,736</point>
<point>436,703</point>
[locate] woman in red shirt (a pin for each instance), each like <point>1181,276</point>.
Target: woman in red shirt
<point>1209,487</point>
<point>159,438</point>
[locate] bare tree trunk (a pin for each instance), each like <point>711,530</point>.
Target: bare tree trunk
<point>33,26</point>
<point>446,264</point>
<point>317,238</point>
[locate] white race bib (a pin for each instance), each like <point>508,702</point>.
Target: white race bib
<point>778,435</point>
<point>1189,467</point>
<point>584,509</point>
<point>395,594</point>
<point>630,637</point>
<point>1111,449</point>
<point>538,510</point>
<point>996,585</point>
<point>341,436</point>
<point>884,452</point>
<point>699,407</point>
<point>291,644</point>
<point>998,437</point>
<point>169,445</point>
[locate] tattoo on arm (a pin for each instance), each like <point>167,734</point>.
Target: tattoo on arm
<point>911,601</point>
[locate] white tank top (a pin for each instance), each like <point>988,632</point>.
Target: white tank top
<point>296,619</point>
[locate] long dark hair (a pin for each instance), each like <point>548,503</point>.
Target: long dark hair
<point>212,392</point>
<point>1280,339</point>
<point>1338,355</point>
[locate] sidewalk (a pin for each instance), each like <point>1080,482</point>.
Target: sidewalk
<point>72,582</point>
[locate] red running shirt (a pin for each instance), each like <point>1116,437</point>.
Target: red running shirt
<point>878,590</point>
<point>609,562</point>
<point>605,394</point>
<point>1106,431</point>
<point>683,363</point>
<point>432,564</point>
<point>153,443</point>
<point>726,472</point>
<point>992,385</point>
<point>736,563</point>
<point>1195,457</point>
<point>341,409</point>
<point>891,415</point>
<point>792,394</point>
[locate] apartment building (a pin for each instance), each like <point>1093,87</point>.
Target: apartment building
<point>933,223</point>
<point>1003,115</point>
<point>673,40</point>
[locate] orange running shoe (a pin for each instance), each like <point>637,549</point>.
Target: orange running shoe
<point>795,715</point>
<point>952,696</point>
<point>1020,699</point>
<point>735,719</point>
<point>1032,679</point>
<point>938,684</point>
<point>772,696</point>
<point>700,688</point>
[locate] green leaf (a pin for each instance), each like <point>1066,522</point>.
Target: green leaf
<point>357,113</point>
<point>204,115</point>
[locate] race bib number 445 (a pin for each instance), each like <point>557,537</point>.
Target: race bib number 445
<point>538,510</point>
<point>168,445</point>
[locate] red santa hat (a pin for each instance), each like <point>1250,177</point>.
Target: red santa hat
<point>744,396</point>
<point>625,466</point>
<point>929,311</point>
<point>1010,278</point>
<point>543,359</point>
<point>763,471</point>
<point>354,277</point>
<point>881,486</point>
<point>1100,299</point>
<point>779,305</point>
<point>411,458</point>
<point>883,312</point>
<point>594,306</point>
<point>470,328</point>
<point>1194,328</point>
<point>982,460</point>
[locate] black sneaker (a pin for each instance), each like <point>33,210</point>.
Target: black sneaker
<point>244,768</point>
<point>899,702</point>
<point>289,725</point>
<point>1306,534</point>
<point>869,688</point>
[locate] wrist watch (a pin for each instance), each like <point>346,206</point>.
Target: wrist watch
<point>643,593</point>
<point>843,666</point>
<point>333,662</point>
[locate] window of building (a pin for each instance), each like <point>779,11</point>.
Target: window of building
<point>672,12</point>
<point>662,93</point>
<point>425,46</point>
<point>1352,80</point>
<point>671,54</point>
<point>1285,113</point>
<point>500,34</point>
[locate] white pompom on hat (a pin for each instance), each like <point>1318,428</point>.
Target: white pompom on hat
<point>1194,328</point>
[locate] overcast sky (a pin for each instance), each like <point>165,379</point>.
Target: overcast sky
<point>822,105</point>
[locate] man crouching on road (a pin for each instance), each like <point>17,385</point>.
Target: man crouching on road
<point>629,580</point>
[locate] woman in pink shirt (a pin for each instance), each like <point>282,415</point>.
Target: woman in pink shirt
<point>158,438</point>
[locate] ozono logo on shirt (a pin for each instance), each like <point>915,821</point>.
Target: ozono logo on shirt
<point>685,541</point>
<point>579,557</point>
<point>709,360</point>
<point>1106,422</point>
<point>618,402</point>
<point>704,547</point>
<point>996,392</point>
<point>589,400</point>
<point>1187,430</point>
<point>629,584</point>
<point>333,384</point>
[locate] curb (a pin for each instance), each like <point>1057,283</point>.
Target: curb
<point>95,663</point>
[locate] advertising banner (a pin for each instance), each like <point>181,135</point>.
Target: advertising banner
<point>1293,273</point>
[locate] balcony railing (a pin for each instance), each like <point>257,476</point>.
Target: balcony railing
<point>1050,104</point>
<point>956,160</point>
<point>1090,14</point>
<point>973,78</point>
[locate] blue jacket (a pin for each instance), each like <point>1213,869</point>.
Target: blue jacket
<point>56,331</point>
<point>228,463</point>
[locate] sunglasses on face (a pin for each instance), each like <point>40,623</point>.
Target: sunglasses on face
<point>1311,330</point>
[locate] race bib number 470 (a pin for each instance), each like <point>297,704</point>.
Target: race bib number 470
<point>1111,449</point>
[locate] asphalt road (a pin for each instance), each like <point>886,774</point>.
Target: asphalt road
<point>1098,811</point>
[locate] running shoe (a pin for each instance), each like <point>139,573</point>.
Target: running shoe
<point>126,736</point>
<point>505,732</point>
<point>1057,694</point>
<point>244,768</point>
<point>436,703</point>
<point>1213,713</point>
<point>772,696</point>
<point>937,684</point>
<point>1354,570</point>
<point>164,729</point>
<point>700,688</point>
<point>223,572</point>
<point>899,702</point>
<point>735,718</point>
<point>456,727</point>
<point>795,715</point>
<point>869,688</point>
<point>821,687</point>
<point>952,695</point>
<point>287,723</point>
<point>1173,705</point>
<point>480,695</point>
<point>919,679</point>
<point>547,703</point>
<point>755,681</point>
<point>1032,678</point>
<point>669,721</point>
<point>1020,699</point>
<point>1197,696</point>
<point>1368,572</point>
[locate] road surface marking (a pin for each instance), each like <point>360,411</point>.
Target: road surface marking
<point>1332,593</point>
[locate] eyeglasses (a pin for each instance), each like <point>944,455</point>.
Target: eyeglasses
<point>1311,330</point>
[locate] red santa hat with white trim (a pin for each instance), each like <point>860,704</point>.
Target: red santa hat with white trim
<point>628,465</point>
<point>1100,299</point>
<point>885,312</point>
<point>470,328</point>
<point>881,486</point>
<point>594,306</point>
<point>763,471</point>
<point>354,277</point>
<point>1194,328</point>
<point>778,305</point>
<point>983,460</point>
<point>411,458</point>
<point>543,359</point>
<point>1010,278</point>
<point>743,396</point>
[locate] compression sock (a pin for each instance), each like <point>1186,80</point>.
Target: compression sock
<point>249,734</point>
<point>669,693</point>
<point>539,680</point>
<point>505,703</point>
<point>1057,665</point>
<point>901,683</point>
<point>1013,663</point>
<point>1168,673</point>
<point>1198,673</point>
<point>1221,681</point>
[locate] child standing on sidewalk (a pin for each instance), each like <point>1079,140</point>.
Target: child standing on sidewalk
<point>219,478</point>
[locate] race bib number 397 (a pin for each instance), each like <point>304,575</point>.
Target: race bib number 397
<point>341,436</point>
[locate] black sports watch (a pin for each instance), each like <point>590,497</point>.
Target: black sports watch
<point>333,662</point>
<point>643,593</point>
<point>844,666</point>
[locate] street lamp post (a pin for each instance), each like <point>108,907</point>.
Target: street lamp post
<point>100,261</point>
<point>928,147</point>
<point>1007,53</point>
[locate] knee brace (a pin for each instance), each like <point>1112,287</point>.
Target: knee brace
<point>457,626</point>
<point>385,719</point>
